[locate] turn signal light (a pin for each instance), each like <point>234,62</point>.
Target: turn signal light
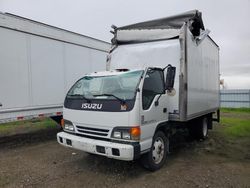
<point>62,122</point>
<point>135,133</point>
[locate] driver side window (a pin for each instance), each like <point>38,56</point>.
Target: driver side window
<point>153,85</point>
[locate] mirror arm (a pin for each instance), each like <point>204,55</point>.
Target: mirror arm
<point>157,100</point>
<point>169,65</point>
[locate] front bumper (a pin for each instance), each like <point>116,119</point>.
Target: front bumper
<point>121,151</point>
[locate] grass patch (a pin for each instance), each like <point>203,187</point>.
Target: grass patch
<point>26,126</point>
<point>234,123</point>
<point>236,127</point>
<point>240,110</point>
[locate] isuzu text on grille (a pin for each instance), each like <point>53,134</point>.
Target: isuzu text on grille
<point>91,106</point>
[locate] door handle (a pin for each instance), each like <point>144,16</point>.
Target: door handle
<point>1,104</point>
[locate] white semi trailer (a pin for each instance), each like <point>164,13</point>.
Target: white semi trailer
<point>39,63</point>
<point>161,75</point>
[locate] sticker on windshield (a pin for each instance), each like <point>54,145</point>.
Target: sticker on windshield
<point>123,107</point>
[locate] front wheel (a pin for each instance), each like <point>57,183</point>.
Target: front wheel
<point>157,155</point>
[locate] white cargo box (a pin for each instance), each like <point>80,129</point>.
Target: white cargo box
<point>196,58</point>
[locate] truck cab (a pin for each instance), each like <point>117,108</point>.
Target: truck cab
<point>115,113</point>
<point>161,75</point>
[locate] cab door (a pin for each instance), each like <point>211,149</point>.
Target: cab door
<point>153,103</point>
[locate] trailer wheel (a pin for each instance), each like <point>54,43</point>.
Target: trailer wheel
<point>156,157</point>
<point>198,128</point>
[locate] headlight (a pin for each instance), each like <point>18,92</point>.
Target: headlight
<point>117,134</point>
<point>67,125</point>
<point>127,133</point>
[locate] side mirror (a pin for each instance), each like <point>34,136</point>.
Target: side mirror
<point>170,78</point>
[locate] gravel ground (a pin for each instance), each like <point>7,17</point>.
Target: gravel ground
<point>45,163</point>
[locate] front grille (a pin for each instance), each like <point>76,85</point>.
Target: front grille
<point>92,131</point>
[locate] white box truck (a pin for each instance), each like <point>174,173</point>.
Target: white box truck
<point>161,75</point>
<point>39,63</point>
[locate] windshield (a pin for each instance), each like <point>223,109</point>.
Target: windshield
<point>121,86</point>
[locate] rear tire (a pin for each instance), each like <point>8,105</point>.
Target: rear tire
<point>198,128</point>
<point>203,131</point>
<point>156,157</point>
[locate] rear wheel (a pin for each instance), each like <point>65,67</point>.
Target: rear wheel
<point>198,128</point>
<point>204,128</point>
<point>157,155</point>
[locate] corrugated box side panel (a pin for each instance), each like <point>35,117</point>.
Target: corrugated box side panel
<point>235,98</point>
<point>202,76</point>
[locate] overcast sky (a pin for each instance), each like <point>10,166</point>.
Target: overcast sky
<point>228,21</point>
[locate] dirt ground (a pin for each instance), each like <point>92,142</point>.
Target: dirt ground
<point>215,162</point>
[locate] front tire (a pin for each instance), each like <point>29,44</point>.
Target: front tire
<point>156,157</point>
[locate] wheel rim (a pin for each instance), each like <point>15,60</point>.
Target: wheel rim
<point>204,127</point>
<point>158,150</point>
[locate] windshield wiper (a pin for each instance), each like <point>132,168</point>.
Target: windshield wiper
<point>81,96</point>
<point>111,95</point>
